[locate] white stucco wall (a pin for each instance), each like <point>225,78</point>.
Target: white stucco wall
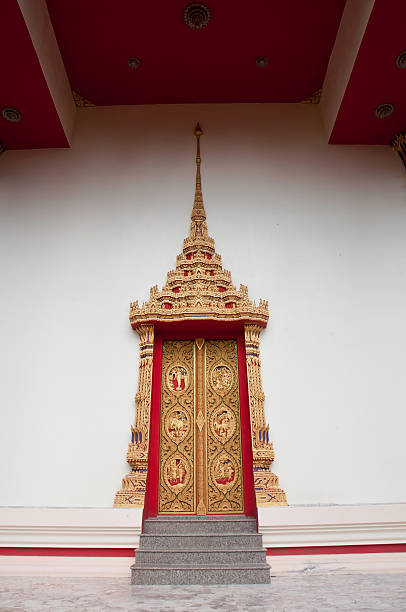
<point>318,230</point>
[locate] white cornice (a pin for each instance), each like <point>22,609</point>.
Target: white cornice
<point>281,526</point>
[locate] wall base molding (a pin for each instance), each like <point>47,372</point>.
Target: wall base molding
<point>370,563</point>
<point>99,541</point>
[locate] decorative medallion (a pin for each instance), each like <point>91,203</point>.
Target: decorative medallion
<point>262,61</point>
<point>401,60</point>
<point>224,472</point>
<point>134,62</point>
<point>384,110</point>
<point>200,420</point>
<point>176,472</point>
<point>177,424</point>
<point>223,424</point>
<point>11,114</point>
<point>196,15</point>
<point>178,378</point>
<point>222,378</point>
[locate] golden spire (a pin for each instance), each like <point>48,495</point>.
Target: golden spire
<point>198,212</point>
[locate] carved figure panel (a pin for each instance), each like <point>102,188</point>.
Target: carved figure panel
<point>224,473</point>
<point>177,441</point>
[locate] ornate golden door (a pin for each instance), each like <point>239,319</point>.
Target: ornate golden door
<point>200,433</point>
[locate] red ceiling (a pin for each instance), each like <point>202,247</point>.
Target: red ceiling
<point>216,64</point>
<point>24,87</point>
<point>376,79</point>
<point>180,65</point>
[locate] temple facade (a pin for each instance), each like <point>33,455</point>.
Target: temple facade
<point>201,394</point>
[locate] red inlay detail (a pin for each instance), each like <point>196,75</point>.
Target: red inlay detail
<point>208,256</point>
<point>332,550</point>
<point>151,495</point>
<point>186,330</point>
<point>66,552</point>
<point>221,289</point>
<point>190,255</point>
<point>230,304</point>
<point>168,305</point>
<point>246,444</point>
<point>211,272</point>
<point>185,273</point>
<point>17,551</point>
<point>175,289</point>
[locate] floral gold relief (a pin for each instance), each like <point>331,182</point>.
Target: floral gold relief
<point>200,439</point>
<point>177,436</point>
<point>133,486</point>
<point>224,458</point>
<point>267,490</point>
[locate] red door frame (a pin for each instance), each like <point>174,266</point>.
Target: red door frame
<point>188,330</point>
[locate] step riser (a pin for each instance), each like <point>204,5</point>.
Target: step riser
<point>200,550</point>
<point>200,576</point>
<point>152,527</point>
<point>197,558</point>
<point>200,542</point>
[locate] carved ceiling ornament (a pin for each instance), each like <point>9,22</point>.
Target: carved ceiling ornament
<point>199,289</point>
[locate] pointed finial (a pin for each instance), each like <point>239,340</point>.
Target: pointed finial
<point>198,212</point>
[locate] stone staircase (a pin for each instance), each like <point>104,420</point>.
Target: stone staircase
<point>200,550</point>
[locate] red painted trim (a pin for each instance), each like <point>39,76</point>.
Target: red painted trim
<point>151,495</point>
<point>66,552</point>
<point>246,446</point>
<point>333,550</point>
<point>129,552</point>
<point>186,330</point>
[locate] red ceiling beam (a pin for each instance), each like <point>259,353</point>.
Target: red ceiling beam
<point>363,74</point>
<point>33,79</point>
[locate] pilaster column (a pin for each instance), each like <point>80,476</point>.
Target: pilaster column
<point>267,490</point>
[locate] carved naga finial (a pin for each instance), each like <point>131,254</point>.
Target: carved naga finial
<point>198,212</point>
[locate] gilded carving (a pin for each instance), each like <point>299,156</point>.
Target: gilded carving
<point>314,98</point>
<point>266,482</point>
<point>133,486</point>
<point>201,426</point>
<point>177,440</point>
<point>225,483</point>
<point>200,289</point>
<point>80,101</point>
<point>399,145</point>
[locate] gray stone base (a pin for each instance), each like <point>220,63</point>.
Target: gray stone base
<point>201,575</point>
<point>200,550</point>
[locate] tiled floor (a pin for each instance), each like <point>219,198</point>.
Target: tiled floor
<point>304,593</point>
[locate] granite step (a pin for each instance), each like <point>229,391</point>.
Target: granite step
<point>200,525</point>
<point>200,550</point>
<point>205,574</point>
<point>197,558</point>
<point>200,541</point>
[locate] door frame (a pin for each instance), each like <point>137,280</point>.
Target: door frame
<point>189,330</point>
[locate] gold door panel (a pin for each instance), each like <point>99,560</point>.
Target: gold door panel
<point>224,461</point>
<point>200,433</point>
<point>177,439</point>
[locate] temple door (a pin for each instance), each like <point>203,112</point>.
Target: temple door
<point>200,458</point>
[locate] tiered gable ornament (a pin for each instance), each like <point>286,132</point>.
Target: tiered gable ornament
<point>199,290</point>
